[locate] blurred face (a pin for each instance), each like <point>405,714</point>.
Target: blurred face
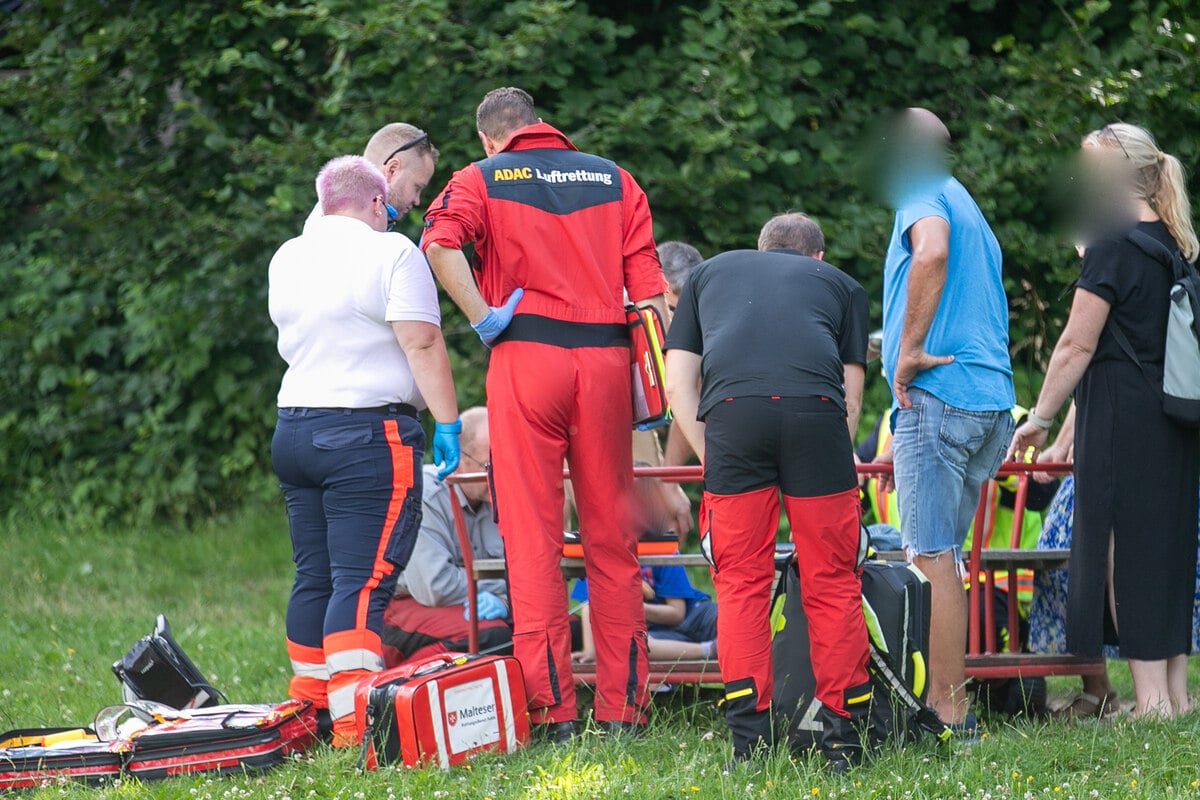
<point>1104,194</point>
<point>408,175</point>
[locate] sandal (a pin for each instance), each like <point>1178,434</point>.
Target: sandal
<point>1088,706</point>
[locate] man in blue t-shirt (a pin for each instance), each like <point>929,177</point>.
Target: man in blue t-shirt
<point>945,353</point>
<point>681,620</point>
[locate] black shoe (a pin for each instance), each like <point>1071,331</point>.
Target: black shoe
<point>841,742</point>
<point>324,726</point>
<point>751,729</point>
<point>556,732</point>
<point>618,729</point>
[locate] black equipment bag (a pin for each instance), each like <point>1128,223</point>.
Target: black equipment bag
<point>157,669</point>
<point>896,605</point>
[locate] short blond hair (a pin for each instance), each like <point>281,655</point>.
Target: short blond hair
<point>385,141</point>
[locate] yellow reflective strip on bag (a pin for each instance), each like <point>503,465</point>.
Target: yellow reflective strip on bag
<point>918,681</point>
<point>49,739</point>
<point>874,629</point>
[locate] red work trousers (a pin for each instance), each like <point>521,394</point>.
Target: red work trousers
<point>740,530</point>
<point>413,632</point>
<point>547,404</point>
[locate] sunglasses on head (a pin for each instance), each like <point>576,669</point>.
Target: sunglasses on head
<point>1112,132</point>
<point>424,137</point>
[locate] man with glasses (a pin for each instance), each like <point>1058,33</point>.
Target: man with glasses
<point>405,156</point>
<point>427,614</point>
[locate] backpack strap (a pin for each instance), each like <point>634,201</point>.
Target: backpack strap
<point>1163,255</point>
<point>1158,251</point>
<point>1126,345</point>
<point>924,716</point>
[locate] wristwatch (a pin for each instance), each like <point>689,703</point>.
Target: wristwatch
<point>1040,422</point>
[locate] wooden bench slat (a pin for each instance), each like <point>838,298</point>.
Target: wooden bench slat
<point>1015,558</point>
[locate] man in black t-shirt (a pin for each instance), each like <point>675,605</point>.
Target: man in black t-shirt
<point>777,342</point>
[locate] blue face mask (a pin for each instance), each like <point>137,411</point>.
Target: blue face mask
<point>392,215</point>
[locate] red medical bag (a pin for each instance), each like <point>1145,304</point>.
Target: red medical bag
<point>646,336</point>
<point>37,756</point>
<point>150,740</point>
<point>223,739</point>
<point>442,711</point>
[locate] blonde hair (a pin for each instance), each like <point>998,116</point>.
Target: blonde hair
<point>384,143</point>
<point>1159,179</point>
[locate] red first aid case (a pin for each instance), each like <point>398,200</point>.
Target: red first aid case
<point>37,756</point>
<point>150,740</point>
<point>222,739</point>
<point>442,711</point>
<point>646,367</point>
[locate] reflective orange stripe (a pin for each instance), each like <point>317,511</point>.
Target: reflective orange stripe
<point>301,687</point>
<point>342,689</point>
<point>402,481</point>
<point>305,654</point>
<point>349,641</point>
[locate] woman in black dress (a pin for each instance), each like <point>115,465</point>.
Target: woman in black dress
<point>1133,556</point>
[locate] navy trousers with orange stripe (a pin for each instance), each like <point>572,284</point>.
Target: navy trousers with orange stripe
<point>756,448</point>
<point>351,481</point>
<point>547,404</point>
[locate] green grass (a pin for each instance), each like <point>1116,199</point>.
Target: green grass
<point>75,597</point>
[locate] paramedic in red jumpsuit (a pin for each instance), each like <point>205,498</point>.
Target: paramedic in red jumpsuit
<point>564,234</point>
<point>777,342</point>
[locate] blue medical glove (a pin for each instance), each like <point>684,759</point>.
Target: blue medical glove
<point>490,607</point>
<point>445,446</point>
<point>497,318</point>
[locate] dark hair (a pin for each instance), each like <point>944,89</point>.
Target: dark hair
<point>504,110</point>
<point>793,231</point>
<point>677,260</point>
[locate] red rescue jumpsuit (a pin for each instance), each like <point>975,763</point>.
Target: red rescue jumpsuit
<point>573,230</point>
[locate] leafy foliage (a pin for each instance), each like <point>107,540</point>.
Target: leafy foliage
<point>154,154</point>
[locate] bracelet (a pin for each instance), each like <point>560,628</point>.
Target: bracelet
<point>1040,422</point>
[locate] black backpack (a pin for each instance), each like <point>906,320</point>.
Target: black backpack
<point>896,607</point>
<point>1180,385</point>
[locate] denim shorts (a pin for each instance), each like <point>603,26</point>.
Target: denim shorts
<point>943,455</point>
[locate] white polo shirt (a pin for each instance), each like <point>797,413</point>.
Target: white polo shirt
<point>333,292</point>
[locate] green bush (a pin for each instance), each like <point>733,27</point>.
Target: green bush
<point>154,154</point>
